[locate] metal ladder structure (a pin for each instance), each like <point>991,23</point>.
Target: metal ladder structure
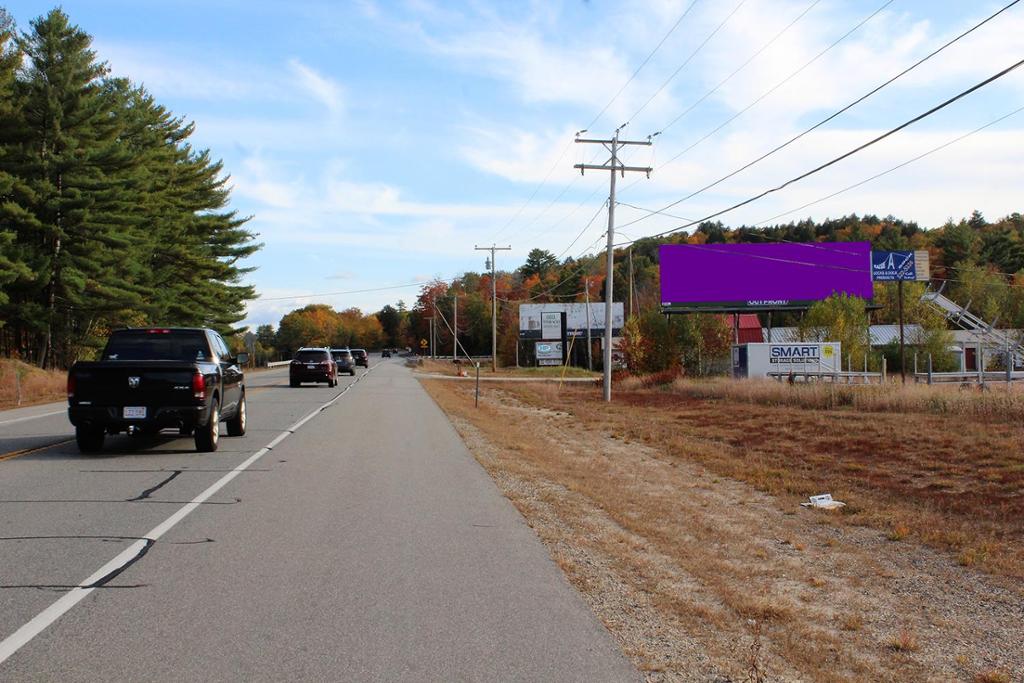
<point>985,334</point>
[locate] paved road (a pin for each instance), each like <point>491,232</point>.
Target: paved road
<point>366,545</point>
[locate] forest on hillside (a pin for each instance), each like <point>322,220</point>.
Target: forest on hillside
<point>108,216</point>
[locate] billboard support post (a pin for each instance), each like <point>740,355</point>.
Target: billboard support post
<point>903,352</point>
<point>614,166</point>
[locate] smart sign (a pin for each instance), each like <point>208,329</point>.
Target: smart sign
<point>743,277</point>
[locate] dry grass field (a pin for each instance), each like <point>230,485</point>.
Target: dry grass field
<point>675,511</point>
<point>24,385</point>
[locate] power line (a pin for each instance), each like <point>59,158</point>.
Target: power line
<point>832,116</point>
<point>741,66</point>
<point>841,157</point>
<point>350,291</point>
<point>610,102</point>
<point>585,228</point>
<point>781,83</point>
<point>895,168</point>
<point>688,59</point>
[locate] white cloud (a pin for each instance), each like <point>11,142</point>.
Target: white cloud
<point>323,89</point>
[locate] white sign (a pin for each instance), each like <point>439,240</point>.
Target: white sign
<point>576,318</point>
<point>797,357</point>
<point>551,325</point>
<point>549,353</point>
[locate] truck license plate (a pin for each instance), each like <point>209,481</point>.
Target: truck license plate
<point>134,412</point>
<point>311,367</point>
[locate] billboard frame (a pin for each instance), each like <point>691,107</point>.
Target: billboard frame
<point>768,305</point>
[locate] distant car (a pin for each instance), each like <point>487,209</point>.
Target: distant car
<point>386,353</point>
<point>312,365</point>
<point>344,361</point>
<point>362,358</point>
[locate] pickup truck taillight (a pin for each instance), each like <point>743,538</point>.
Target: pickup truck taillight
<point>71,386</point>
<point>198,386</point>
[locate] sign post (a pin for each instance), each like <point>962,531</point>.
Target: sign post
<point>887,266</point>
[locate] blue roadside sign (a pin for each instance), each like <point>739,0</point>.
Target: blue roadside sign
<point>891,266</point>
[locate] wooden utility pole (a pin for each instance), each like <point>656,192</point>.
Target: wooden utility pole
<point>494,303</point>
<point>614,166</point>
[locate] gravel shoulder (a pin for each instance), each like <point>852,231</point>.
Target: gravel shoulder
<point>702,577</point>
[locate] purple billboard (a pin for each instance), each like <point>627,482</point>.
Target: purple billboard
<point>737,277</point>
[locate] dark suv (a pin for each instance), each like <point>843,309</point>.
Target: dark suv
<point>312,365</point>
<point>344,361</point>
<point>362,358</point>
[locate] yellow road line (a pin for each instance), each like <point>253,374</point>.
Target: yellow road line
<point>25,451</point>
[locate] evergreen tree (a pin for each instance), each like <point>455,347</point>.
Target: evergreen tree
<point>72,216</point>
<point>11,266</point>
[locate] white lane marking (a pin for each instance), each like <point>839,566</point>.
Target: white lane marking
<point>33,417</point>
<point>39,623</point>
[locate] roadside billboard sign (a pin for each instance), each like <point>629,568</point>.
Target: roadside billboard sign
<point>549,352</point>
<point>576,319</point>
<point>892,266</point>
<point>745,277</point>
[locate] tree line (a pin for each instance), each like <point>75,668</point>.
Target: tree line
<point>108,216</point>
<point>980,262</point>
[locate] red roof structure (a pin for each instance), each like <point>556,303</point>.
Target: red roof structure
<point>749,327</point>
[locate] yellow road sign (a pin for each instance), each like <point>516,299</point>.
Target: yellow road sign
<point>423,343</point>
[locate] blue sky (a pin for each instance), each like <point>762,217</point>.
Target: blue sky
<point>375,143</point>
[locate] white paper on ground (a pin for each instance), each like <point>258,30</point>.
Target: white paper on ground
<point>823,502</point>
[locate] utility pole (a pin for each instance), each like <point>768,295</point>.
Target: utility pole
<point>614,166</point>
<point>455,327</point>
<point>494,304</point>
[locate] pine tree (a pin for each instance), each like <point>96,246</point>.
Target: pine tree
<point>11,266</point>
<point>73,211</point>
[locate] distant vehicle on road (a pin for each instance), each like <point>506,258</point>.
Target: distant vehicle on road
<point>362,358</point>
<point>312,365</point>
<point>386,353</point>
<point>156,378</point>
<point>344,361</point>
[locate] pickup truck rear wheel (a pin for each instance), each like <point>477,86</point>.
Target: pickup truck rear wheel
<point>208,435</point>
<point>89,439</point>
<point>236,425</point>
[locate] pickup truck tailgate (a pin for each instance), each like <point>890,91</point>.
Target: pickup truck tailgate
<point>134,383</point>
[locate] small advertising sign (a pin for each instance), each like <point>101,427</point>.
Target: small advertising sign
<point>549,353</point>
<point>551,325</point>
<point>891,266</point>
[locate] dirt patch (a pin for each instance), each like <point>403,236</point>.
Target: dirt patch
<point>704,576</point>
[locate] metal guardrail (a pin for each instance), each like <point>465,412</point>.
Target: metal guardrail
<point>835,377</point>
<point>974,377</point>
<point>278,363</point>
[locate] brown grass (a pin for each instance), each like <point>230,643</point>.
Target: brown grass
<point>641,504</point>
<point>29,384</point>
<point>904,641</point>
<point>992,676</point>
<point>951,480</point>
<point>995,404</point>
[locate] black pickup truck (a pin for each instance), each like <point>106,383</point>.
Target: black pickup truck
<point>150,379</point>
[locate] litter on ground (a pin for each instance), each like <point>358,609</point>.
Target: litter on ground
<point>824,502</point>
